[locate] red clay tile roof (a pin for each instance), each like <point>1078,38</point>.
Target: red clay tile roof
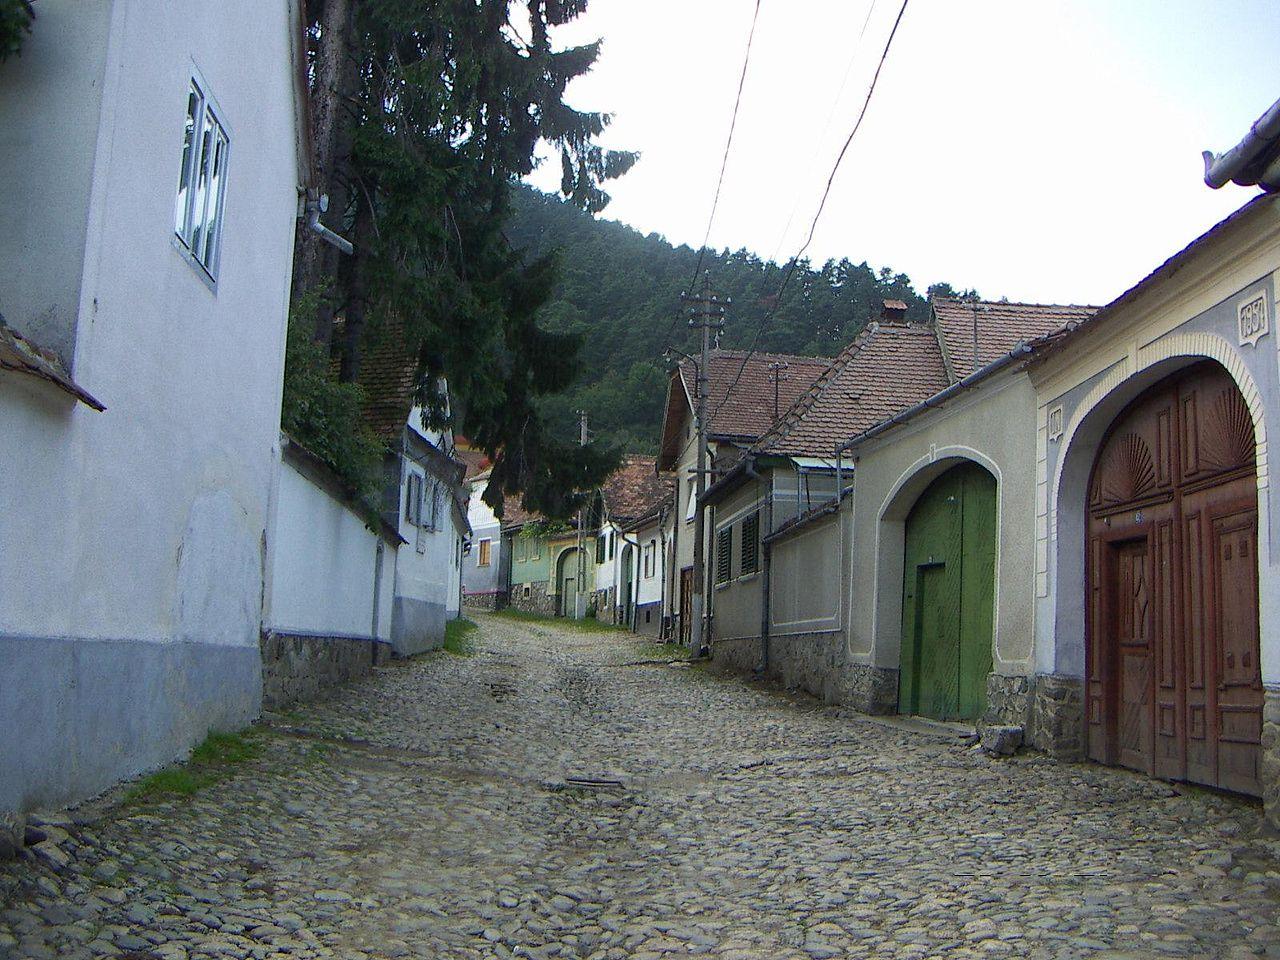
<point>886,369</point>
<point>1000,327</point>
<point>476,461</point>
<point>635,488</point>
<point>386,374</point>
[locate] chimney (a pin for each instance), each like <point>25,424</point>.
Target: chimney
<point>893,311</point>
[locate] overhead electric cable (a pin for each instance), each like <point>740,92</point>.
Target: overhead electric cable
<point>724,163</point>
<point>813,226</point>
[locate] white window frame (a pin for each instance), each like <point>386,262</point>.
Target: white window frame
<point>197,233</point>
<point>691,507</point>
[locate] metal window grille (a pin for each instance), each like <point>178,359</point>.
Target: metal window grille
<point>724,555</point>
<point>750,562</point>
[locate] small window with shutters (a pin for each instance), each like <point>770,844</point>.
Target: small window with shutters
<point>413,499</point>
<point>601,542</point>
<point>750,562</point>
<point>485,554</point>
<point>724,555</point>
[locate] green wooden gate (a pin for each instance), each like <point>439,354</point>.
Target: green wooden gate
<point>948,596</point>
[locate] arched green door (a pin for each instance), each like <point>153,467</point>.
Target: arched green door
<point>948,594</point>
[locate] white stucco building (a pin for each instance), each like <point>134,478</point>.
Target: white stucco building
<point>150,166</point>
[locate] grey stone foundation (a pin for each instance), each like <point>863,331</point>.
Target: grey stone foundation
<point>538,601</point>
<point>1271,758</point>
<point>1057,717</point>
<point>871,689</point>
<point>296,668</point>
<point>814,663</point>
<point>1009,701</point>
<point>490,601</point>
<point>653,626</point>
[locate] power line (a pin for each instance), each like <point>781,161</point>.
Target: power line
<point>724,163</point>
<point>813,226</point>
<point>831,114</point>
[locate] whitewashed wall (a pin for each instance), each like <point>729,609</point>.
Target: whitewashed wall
<point>131,563</point>
<point>331,576</point>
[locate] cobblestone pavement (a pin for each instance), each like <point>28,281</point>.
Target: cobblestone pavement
<point>423,813</point>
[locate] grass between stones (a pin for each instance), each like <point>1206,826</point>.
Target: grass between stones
<point>664,651</point>
<point>586,625</point>
<point>211,761</point>
<point>458,638</point>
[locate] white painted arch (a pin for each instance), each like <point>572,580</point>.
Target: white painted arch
<point>1063,651</point>
<point>890,545</point>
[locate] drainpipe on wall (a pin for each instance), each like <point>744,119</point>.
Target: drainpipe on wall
<point>378,551</point>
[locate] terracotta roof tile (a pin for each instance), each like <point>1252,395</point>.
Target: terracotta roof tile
<point>1000,327</point>
<point>635,488</point>
<point>745,409</point>
<point>886,369</point>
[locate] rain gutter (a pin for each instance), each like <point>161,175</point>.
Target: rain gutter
<point>1255,160</point>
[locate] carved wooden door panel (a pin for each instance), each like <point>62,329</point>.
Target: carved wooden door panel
<point>1173,682</point>
<point>686,605</point>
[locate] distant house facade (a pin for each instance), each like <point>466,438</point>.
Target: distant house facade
<point>486,569</point>
<point>151,164</point>
<point>649,536</point>
<point>424,498</point>
<point>746,394</point>
<point>630,492</point>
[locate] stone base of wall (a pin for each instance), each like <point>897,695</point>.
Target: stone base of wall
<point>1009,701</point>
<point>296,668</point>
<point>1271,757</point>
<point>871,689</point>
<point>653,627</point>
<point>538,601</point>
<point>495,600</point>
<point>812,662</point>
<point>1057,717</point>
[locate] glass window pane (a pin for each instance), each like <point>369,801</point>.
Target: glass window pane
<point>181,207</point>
<point>213,219</point>
<point>204,169</point>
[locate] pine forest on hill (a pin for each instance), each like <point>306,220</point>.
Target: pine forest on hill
<point>619,291</point>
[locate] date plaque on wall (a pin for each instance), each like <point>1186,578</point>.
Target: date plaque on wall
<point>1254,320</point>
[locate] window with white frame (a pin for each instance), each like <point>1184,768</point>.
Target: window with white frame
<point>650,556</point>
<point>691,504</point>
<point>202,182</point>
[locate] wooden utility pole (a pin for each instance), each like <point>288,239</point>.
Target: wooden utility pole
<point>706,314</point>
<point>579,600</point>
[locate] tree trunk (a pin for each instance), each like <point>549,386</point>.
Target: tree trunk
<point>332,64</point>
<point>357,289</point>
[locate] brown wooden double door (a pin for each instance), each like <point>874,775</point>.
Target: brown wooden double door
<point>1173,677</point>
<point>686,605</point>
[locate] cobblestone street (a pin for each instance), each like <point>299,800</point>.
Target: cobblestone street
<point>425,813</point>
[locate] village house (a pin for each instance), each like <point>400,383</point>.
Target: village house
<point>1156,594</point>
<point>486,570</point>
<point>424,498</point>
<point>649,533</point>
<point>632,491</point>
<point>746,392</point>
<point>153,161</point>
<point>552,572</point>
<point>891,601</point>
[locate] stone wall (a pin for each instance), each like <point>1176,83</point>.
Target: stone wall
<point>814,663</point>
<point>1057,717</point>
<point>538,601</point>
<point>1009,701</point>
<point>489,601</point>
<point>1271,757</point>
<point>298,668</point>
<point>654,626</point>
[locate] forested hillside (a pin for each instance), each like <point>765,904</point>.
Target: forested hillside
<point>619,291</point>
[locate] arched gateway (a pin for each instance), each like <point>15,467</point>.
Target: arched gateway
<point>948,596</point>
<point>1173,682</point>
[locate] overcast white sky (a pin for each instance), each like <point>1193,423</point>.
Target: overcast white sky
<point>1043,150</point>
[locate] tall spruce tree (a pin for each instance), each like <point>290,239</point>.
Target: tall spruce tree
<point>425,114</point>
